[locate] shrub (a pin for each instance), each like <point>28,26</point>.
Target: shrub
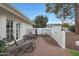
<point>72,28</point>
<point>65,25</point>
<point>2,46</point>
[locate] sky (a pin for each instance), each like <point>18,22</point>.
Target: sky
<point>31,10</point>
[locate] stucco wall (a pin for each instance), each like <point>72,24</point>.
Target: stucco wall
<point>23,24</point>
<point>2,26</point>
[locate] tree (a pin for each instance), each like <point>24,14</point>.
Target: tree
<point>76,18</point>
<point>65,25</point>
<point>41,21</point>
<point>71,28</point>
<point>62,11</point>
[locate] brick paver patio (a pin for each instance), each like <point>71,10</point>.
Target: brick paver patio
<point>45,49</point>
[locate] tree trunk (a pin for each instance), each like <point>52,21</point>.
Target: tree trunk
<point>76,18</point>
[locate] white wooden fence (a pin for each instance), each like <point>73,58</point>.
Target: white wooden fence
<point>58,35</point>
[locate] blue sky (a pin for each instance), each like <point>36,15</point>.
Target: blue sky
<point>31,10</point>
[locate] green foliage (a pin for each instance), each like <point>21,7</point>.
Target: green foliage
<point>41,21</point>
<point>65,25</point>
<point>72,28</point>
<point>73,52</point>
<point>61,10</point>
<point>2,46</point>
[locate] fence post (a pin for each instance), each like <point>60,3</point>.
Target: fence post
<point>64,37</point>
<point>36,32</point>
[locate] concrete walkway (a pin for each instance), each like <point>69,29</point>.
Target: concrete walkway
<point>45,49</point>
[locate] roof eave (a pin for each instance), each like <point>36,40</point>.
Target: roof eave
<point>20,13</point>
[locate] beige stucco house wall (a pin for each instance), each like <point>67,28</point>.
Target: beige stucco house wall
<point>9,13</point>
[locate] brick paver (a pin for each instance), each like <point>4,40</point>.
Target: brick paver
<point>45,49</point>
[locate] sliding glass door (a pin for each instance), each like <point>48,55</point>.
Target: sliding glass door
<point>9,30</point>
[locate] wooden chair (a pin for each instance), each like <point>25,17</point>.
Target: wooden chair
<point>25,45</point>
<point>32,38</point>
